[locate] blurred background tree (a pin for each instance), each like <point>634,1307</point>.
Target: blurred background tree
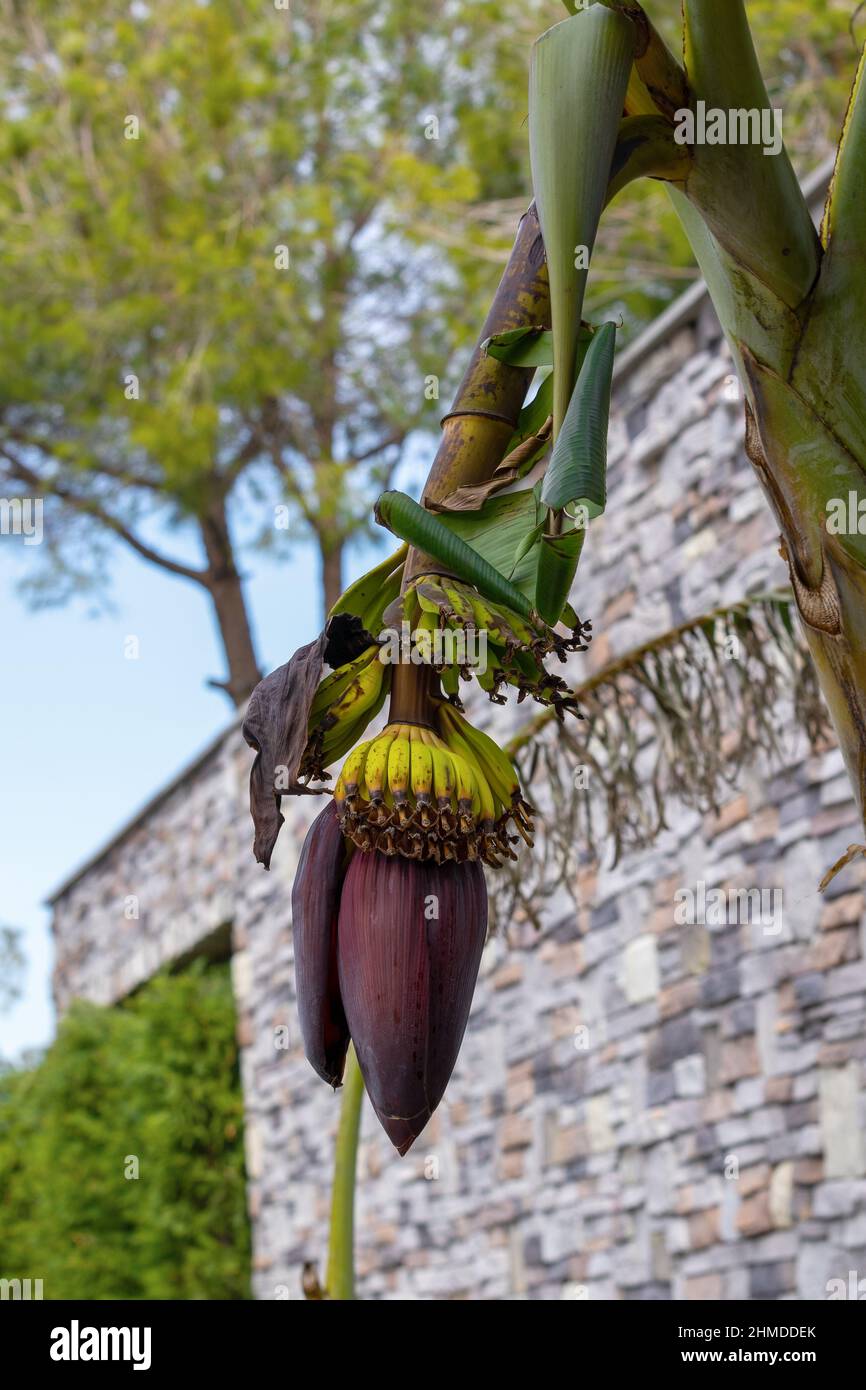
<point>242,251</point>
<point>219,282</point>
<point>11,965</point>
<point>155,1084</point>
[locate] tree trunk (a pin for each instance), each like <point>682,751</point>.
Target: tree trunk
<point>332,572</point>
<point>224,586</point>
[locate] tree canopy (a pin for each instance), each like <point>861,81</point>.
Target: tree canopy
<point>243,249</point>
<point>230,269</point>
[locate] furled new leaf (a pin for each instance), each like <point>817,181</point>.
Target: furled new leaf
<point>429,534</point>
<point>558,558</point>
<point>578,466</point>
<point>578,80</point>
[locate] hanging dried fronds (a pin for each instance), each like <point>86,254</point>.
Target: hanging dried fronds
<point>673,722</point>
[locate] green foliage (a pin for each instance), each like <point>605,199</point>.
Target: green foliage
<point>807,51</point>
<point>577,472</point>
<point>578,81</point>
<point>434,537</point>
<point>155,1079</point>
<point>305,127</point>
<point>357,135</point>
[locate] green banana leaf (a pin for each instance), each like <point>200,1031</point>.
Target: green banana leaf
<point>578,80</point>
<point>529,347</point>
<point>509,532</point>
<point>521,347</point>
<point>533,415</point>
<point>540,408</point>
<point>577,470</point>
<point>498,531</point>
<point>558,558</point>
<point>505,533</point>
<point>440,540</point>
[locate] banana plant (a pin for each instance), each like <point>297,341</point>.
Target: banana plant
<point>786,295</point>
<point>390,903</point>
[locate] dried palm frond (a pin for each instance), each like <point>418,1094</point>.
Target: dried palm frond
<point>673,722</point>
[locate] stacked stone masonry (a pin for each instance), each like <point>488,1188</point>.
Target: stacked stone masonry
<point>641,1110</point>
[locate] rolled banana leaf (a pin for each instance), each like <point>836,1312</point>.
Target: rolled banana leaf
<point>427,533</point>
<point>577,472</point>
<point>578,81</point>
<point>558,558</point>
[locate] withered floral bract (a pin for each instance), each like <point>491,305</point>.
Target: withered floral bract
<point>315,910</point>
<point>276,724</point>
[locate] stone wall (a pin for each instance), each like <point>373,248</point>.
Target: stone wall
<point>640,1109</point>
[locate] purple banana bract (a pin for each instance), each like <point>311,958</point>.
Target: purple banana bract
<point>387,953</point>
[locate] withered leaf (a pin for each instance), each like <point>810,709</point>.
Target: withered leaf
<point>471,498</point>
<point>276,724</point>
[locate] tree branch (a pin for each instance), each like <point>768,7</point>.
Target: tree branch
<point>88,506</point>
<point>396,438</point>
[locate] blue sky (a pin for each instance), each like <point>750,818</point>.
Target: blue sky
<point>89,735</point>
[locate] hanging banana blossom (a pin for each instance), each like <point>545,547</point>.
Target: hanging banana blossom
<point>387,951</point>
<point>389,906</point>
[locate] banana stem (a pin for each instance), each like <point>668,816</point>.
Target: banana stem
<point>341,1246</point>
<point>413,689</point>
<point>481,421</point>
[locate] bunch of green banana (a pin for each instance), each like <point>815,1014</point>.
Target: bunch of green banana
<point>485,755</point>
<point>461,634</point>
<point>445,794</point>
<point>347,700</point>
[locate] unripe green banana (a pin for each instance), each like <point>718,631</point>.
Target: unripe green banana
<point>458,596</point>
<point>332,689</point>
<point>424,631</point>
<point>481,750</point>
<point>499,630</point>
<point>450,679</point>
<point>361,702</point>
<point>373,617</point>
<point>431,598</point>
<point>363,595</point>
<point>376,766</point>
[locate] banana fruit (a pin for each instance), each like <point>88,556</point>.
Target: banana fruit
<point>370,595</point>
<point>339,725</point>
<point>485,639</point>
<point>444,793</point>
